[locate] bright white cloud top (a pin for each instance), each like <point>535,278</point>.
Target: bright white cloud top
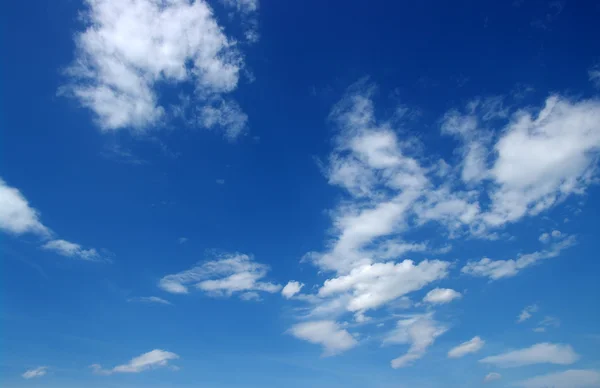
<point>441,295</point>
<point>328,334</point>
<point>129,47</point>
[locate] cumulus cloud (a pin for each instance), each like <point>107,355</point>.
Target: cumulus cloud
<point>127,49</point>
<point>493,376</point>
<point>542,353</point>
<point>70,249</point>
<point>543,158</point>
<point>418,331</point>
<point>16,215</point>
<point>527,313</point>
<point>292,288</point>
<point>37,372</point>
<point>224,276</point>
<point>328,334</point>
<point>149,299</point>
<point>151,360</point>
<point>497,269</point>
<point>441,295</point>
<point>472,346</point>
<point>573,378</point>
<point>372,285</point>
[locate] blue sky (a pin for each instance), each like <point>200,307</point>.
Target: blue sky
<point>231,193</point>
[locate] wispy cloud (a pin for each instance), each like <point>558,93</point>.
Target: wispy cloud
<point>419,331</point>
<point>149,299</point>
<point>151,360</point>
<point>224,276</point>
<point>542,353</point>
<point>527,313</point>
<point>573,378</point>
<point>73,250</point>
<point>472,346</point>
<point>34,373</point>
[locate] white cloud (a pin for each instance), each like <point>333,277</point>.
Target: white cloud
<point>544,237</point>
<point>225,115</point>
<point>527,313</point>
<point>372,285</point>
<point>182,240</point>
<point>16,215</point>
<point>472,346</point>
<point>441,295</point>
<point>574,378</point>
<point>543,158</point>
<point>228,274</point>
<point>292,288</point>
<point>33,373</point>
<point>130,47</point>
<point>497,269</point>
<point>542,353</point>
<point>69,249</point>
<point>419,331</point>
<point>250,296</point>
<point>149,299</point>
<point>151,360</point>
<point>329,334</point>
<point>493,376</point>
<point>547,322</point>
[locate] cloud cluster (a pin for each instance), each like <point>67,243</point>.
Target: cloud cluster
<point>512,163</point>
<point>224,276</point>
<point>128,49</point>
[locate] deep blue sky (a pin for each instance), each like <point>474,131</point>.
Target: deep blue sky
<point>168,195</point>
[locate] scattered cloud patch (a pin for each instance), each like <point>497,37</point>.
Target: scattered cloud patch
<point>497,269</point>
<point>329,334</point>
<point>493,376</point>
<point>34,373</point>
<point>151,360</point>
<point>149,299</point>
<point>472,346</point>
<point>527,313</point>
<point>418,331</point>
<point>16,215</point>
<point>182,240</point>
<point>220,181</point>
<point>542,353</point>
<point>251,296</point>
<point>292,288</point>
<point>547,322</point>
<point>573,378</point>
<point>73,250</point>
<point>441,295</point>
<point>224,276</point>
